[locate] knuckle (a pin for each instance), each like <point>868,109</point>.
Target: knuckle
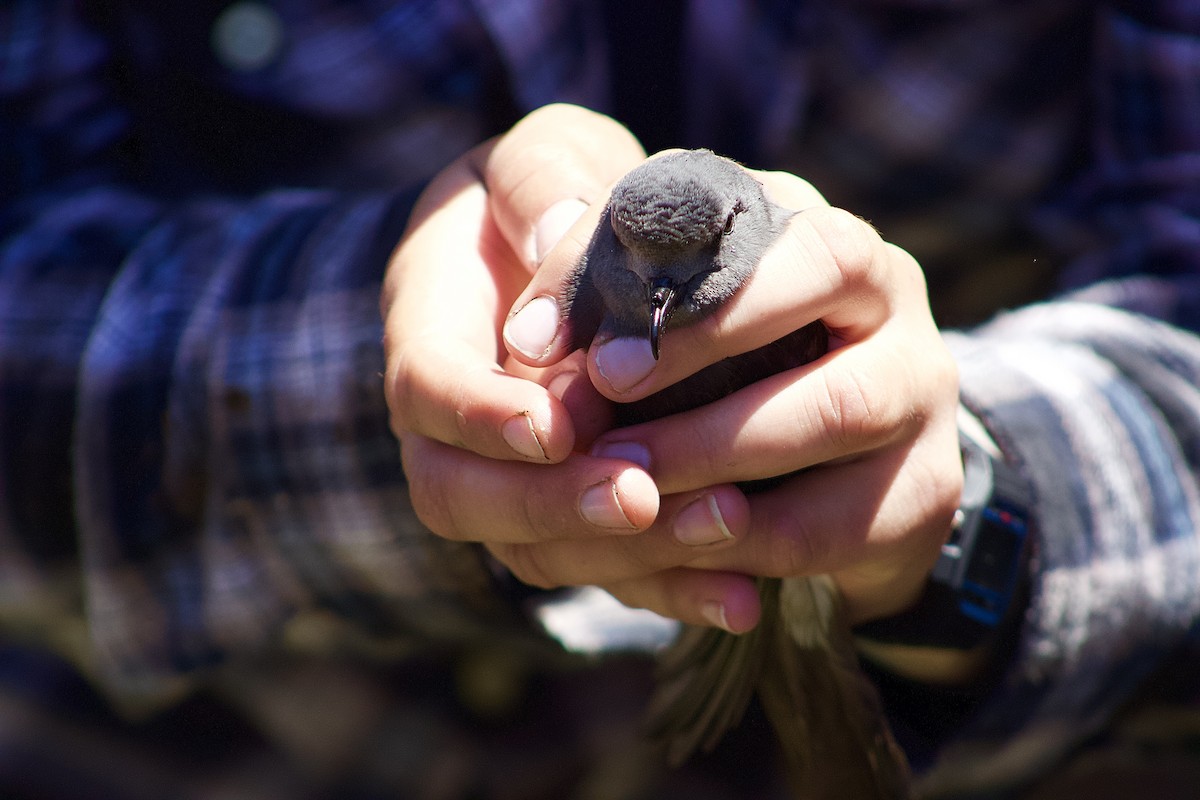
<point>929,377</point>
<point>410,383</point>
<point>948,496</point>
<point>706,449</point>
<point>945,374</point>
<point>907,268</point>
<point>853,411</point>
<point>427,397</point>
<point>791,190</point>
<point>639,557</point>
<point>535,156</point>
<point>398,389</point>
<point>561,116</point>
<point>945,485</point>
<point>431,492</point>
<point>854,246</point>
<point>528,565</point>
<point>544,512</point>
<point>643,594</point>
<point>794,548</point>
<point>430,506</point>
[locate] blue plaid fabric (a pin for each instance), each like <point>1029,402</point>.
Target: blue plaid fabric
<point>205,534</point>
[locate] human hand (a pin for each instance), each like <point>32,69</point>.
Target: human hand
<point>491,446</point>
<point>490,452</point>
<point>474,239</point>
<point>872,423</point>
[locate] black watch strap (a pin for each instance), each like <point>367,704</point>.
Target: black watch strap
<point>980,576</point>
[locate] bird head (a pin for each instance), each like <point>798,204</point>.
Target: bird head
<point>689,228</point>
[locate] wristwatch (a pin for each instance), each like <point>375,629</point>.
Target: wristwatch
<point>980,576</point>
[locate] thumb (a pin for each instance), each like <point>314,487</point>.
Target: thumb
<point>548,168</point>
<point>548,179</point>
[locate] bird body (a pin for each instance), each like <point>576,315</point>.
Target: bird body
<point>680,236</point>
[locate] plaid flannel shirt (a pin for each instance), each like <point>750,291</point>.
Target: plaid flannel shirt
<point>197,483</point>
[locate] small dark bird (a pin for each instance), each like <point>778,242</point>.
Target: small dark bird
<point>681,234</point>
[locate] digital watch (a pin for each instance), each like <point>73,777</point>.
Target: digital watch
<point>981,571</point>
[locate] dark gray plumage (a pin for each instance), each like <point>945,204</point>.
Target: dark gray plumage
<point>681,234</point>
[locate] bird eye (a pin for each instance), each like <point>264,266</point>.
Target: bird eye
<point>729,223</point>
<point>738,208</point>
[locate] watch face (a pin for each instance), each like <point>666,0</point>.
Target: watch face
<point>994,566</point>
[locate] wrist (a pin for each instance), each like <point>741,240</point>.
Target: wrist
<point>973,598</point>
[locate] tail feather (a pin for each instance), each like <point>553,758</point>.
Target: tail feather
<point>705,681</point>
<point>825,712</point>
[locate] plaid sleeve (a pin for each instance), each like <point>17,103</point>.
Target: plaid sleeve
<point>233,461</point>
<point>1095,396</point>
<point>1101,410</point>
<point>195,459</point>
<point>1136,208</point>
<point>233,467</point>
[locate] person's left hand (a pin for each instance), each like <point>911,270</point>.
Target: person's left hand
<point>493,449</point>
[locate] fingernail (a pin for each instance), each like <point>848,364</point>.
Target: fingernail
<point>518,431</point>
<point>714,612</point>
<point>700,523</point>
<point>627,451</point>
<point>532,329</point>
<point>625,362</point>
<point>560,383</point>
<point>601,506</point>
<point>552,226</point>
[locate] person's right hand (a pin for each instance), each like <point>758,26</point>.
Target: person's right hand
<point>474,239</point>
<point>865,437</point>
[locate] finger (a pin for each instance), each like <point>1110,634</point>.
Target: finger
<point>591,413</point>
<point>789,191</point>
<point>460,269</point>
<point>463,496</point>
<point>552,165</point>
<point>828,265</point>
<point>546,323</point>
<point>697,597</point>
<point>446,284</point>
<point>876,525</point>
<point>689,526</point>
<point>867,396</point>
<point>550,318</point>
<point>555,314</point>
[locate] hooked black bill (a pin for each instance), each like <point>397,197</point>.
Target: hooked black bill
<point>662,295</point>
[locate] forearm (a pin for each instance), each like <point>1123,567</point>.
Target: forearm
<point>1096,406</point>
<point>215,394</point>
